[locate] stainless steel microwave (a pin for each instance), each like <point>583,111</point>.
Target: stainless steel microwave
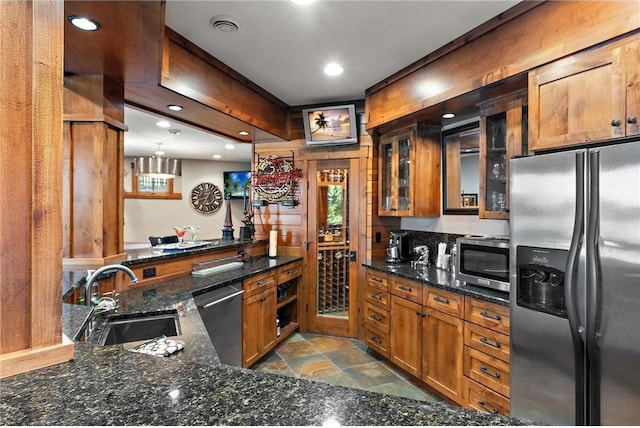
<point>483,261</point>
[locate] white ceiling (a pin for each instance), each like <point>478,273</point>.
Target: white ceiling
<point>283,47</point>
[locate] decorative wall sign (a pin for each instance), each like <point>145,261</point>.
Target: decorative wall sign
<point>206,198</point>
<point>275,178</point>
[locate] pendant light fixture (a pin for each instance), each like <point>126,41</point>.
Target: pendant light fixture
<point>157,166</point>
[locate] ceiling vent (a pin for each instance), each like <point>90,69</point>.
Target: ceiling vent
<point>224,23</point>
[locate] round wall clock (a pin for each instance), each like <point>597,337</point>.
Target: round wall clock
<point>206,198</point>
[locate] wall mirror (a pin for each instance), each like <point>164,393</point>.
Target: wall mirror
<point>461,163</point>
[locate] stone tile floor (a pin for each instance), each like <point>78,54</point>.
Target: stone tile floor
<point>339,361</point>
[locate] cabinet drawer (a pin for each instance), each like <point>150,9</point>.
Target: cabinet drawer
<point>377,280</point>
<point>444,301</point>
<point>377,317</point>
<point>407,289</point>
<point>377,340</point>
<point>259,282</point>
<point>481,398</point>
<point>487,315</point>
<point>290,271</point>
<point>487,341</point>
<point>486,370</point>
<point>377,297</point>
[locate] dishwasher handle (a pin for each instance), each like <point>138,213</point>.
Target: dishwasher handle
<point>215,302</point>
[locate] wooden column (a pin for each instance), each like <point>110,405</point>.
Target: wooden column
<point>30,186</point>
<point>93,189</point>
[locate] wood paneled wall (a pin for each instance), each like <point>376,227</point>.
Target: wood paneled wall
<point>506,46</point>
<point>30,187</point>
<point>93,173</point>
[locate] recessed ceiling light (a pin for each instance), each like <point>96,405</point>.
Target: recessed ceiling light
<point>84,23</point>
<point>175,107</point>
<point>243,133</point>
<point>163,124</point>
<point>217,156</point>
<point>448,116</point>
<point>173,131</point>
<point>333,69</point>
<point>229,146</point>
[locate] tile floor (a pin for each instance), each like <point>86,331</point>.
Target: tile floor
<point>339,361</point>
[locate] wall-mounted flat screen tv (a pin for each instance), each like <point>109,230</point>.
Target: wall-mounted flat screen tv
<point>236,183</point>
<point>330,125</point>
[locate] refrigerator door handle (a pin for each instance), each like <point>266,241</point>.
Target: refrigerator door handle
<point>570,294</point>
<point>593,300</point>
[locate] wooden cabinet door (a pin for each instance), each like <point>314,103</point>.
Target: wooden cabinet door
<point>442,358</point>
<point>406,335</point>
<point>258,325</point>
<point>267,321</point>
<point>578,99</point>
<point>632,84</point>
<point>396,173</point>
<point>502,136</point>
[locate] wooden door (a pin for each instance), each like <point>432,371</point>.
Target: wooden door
<point>406,335</point>
<point>333,208</point>
<point>442,361</point>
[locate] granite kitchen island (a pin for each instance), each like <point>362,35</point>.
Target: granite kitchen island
<point>107,385</point>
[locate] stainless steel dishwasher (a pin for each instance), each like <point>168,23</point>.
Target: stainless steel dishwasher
<point>221,312</point>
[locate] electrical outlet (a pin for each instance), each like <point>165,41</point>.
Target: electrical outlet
<point>149,272</point>
<point>378,237</point>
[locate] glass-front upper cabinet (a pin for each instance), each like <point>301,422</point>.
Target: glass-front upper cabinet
<point>503,135</point>
<point>407,156</point>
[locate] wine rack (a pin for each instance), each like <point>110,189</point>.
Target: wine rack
<point>333,279</point>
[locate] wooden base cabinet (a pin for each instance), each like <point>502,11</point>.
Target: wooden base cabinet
<point>376,318</point>
<point>427,335</point>
<point>443,343</point>
<point>457,345</point>
<point>261,307</point>
<point>258,325</point>
<point>406,335</point>
<point>486,379</point>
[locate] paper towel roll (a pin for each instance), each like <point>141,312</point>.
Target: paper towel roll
<point>273,243</point>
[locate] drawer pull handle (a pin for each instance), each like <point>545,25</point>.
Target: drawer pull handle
<point>376,279</point>
<point>488,315</point>
<point>483,369</point>
<point>376,340</point>
<point>405,288</point>
<point>290,271</point>
<point>486,342</point>
<point>262,282</point>
<point>376,317</point>
<point>481,404</point>
<point>441,300</point>
<point>376,297</point>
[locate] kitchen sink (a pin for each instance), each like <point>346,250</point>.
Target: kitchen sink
<point>133,327</point>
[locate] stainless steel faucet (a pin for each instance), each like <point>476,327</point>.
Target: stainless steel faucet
<point>423,259</point>
<point>93,275</point>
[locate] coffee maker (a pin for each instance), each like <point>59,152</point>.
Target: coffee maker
<point>399,247</point>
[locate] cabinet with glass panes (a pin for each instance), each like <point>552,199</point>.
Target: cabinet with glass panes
<point>503,135</point>
<point>409,172</point>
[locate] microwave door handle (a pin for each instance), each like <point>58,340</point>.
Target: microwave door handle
<point>570,297</point>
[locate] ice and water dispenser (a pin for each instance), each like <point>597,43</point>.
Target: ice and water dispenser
<point>541,273</point>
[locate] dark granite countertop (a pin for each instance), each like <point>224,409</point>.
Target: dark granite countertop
<point>106,385</point>
<point>146,254</point>
<point>440,278</point>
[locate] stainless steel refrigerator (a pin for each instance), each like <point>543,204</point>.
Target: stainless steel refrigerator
<point>575,286</point>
